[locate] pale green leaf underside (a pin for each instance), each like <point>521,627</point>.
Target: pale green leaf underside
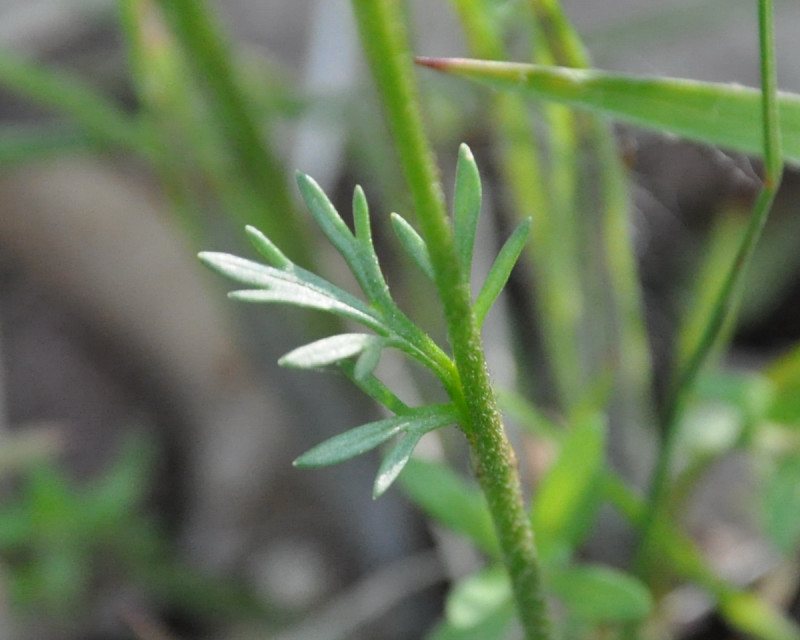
<point>295,286</point>
<point>727,115</point>
<point>366,437</point>
<point>328,351</point>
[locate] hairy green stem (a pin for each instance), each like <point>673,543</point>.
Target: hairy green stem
<point>386,45</point>
<point>729,293</point>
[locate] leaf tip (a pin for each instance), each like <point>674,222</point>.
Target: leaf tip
<point>440,64</point>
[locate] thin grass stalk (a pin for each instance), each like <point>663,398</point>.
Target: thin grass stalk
<point>385,43</point>
<point>729,293</point>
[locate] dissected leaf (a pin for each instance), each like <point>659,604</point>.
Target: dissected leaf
<point>600,594</point>
<point>413,244</point>
<point>727,115</point>
<point>450,500</point>
<point>366,437</point>
<point>466,206</point>
<point>565,504</point>
<point>500,271</point>
<point>295,286</point>
<point>327,351</point>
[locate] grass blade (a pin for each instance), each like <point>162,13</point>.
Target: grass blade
<point>727,115</point>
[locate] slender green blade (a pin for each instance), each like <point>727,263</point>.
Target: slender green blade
<point>500,271</point>
<point>727,115</point>
<point>568,495</point>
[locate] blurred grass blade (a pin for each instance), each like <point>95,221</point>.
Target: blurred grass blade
<point>450,500</point>
<point>749,613</point>
<point>20,144</point>
<point>413,244</point>
<point>466,206</point>
<point>366,437</point>
<point>500,271</point>
<point>94,113</point>
<point>727,115</point>
<point>327,351</point>
<point>568,495</point>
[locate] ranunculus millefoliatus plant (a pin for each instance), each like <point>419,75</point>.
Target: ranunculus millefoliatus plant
<point>358,354</point>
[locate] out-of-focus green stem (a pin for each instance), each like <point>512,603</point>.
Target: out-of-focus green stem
<point>385,42</point>
<point>729,293</point>
<point>259,170</point>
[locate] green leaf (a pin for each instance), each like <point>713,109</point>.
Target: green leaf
<point>500,271</point>
<point>394,462</point>
<point>600,595</point>
<point>727,115</point>
<point>327,351</point>
<point>781,504</point>
<point>466,206</point>
<point>326,216</point>
<point>447,498</point>
<point>565,504</point>
<point>366,437</point>
<point>477,596</point>
<point>414,245</point>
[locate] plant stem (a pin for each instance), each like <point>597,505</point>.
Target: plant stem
<point>385,42</point>
<point>729,293</point>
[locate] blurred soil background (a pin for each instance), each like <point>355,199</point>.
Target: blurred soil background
<point>148,479</point>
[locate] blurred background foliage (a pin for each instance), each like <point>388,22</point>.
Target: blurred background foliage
<point>146,435</point>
